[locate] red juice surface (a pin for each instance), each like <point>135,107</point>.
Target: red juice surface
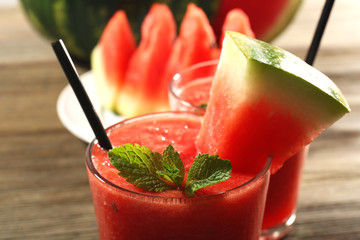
<point>137,214</point>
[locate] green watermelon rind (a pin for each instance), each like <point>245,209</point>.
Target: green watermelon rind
<point>311,84</point>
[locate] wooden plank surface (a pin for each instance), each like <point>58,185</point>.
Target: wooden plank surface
<point>44,193</point>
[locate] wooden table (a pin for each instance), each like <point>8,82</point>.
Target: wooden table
<point>44,193</point>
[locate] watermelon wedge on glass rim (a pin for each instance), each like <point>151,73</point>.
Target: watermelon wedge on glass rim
<point>265,102</point>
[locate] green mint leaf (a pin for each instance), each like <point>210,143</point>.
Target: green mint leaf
<point>206,170</point>
<point>173,165</point>
<point>154,172</point>
<point>146,169</point>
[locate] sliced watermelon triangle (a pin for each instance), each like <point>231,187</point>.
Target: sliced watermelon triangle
<point>144,75</point>
<point>265,102</point>
<point>110,58</point>
<point>196,43</point>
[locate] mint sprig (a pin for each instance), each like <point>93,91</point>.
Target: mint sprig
<point>154,172</point>
<point>206,171</point>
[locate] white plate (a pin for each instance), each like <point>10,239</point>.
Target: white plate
<point>71,114</point>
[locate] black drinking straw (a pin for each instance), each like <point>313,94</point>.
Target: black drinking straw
<point>79,90</point>
<point>319,32</point>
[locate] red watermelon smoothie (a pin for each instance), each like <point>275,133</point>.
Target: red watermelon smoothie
<point>228,210</point>
<point>190,91</point>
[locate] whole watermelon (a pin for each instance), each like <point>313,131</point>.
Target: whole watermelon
<point>79,23</point>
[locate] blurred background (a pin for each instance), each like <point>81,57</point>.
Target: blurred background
<point>44,193</point>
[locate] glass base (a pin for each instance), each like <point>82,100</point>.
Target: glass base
<point>280,231</point>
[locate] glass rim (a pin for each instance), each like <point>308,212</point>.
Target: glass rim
<point>186,70</point>
<point>94,172</point>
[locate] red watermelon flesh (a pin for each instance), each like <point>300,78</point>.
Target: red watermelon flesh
<point>111,56</point>
<point>146,67</point>
<point>196,43</point>
<point>236,20</point>
<point>268,18</point>
<point>265,102</point>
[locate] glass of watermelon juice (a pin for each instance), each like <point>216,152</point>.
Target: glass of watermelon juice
<point>226,210</point>
<point>194,79</point>
<point>189,90</point>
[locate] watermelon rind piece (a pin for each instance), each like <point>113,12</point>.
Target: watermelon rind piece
<point>265,102</point>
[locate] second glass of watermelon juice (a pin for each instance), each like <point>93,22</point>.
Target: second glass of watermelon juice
<point>189,90</point>
<point>226,210</point>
